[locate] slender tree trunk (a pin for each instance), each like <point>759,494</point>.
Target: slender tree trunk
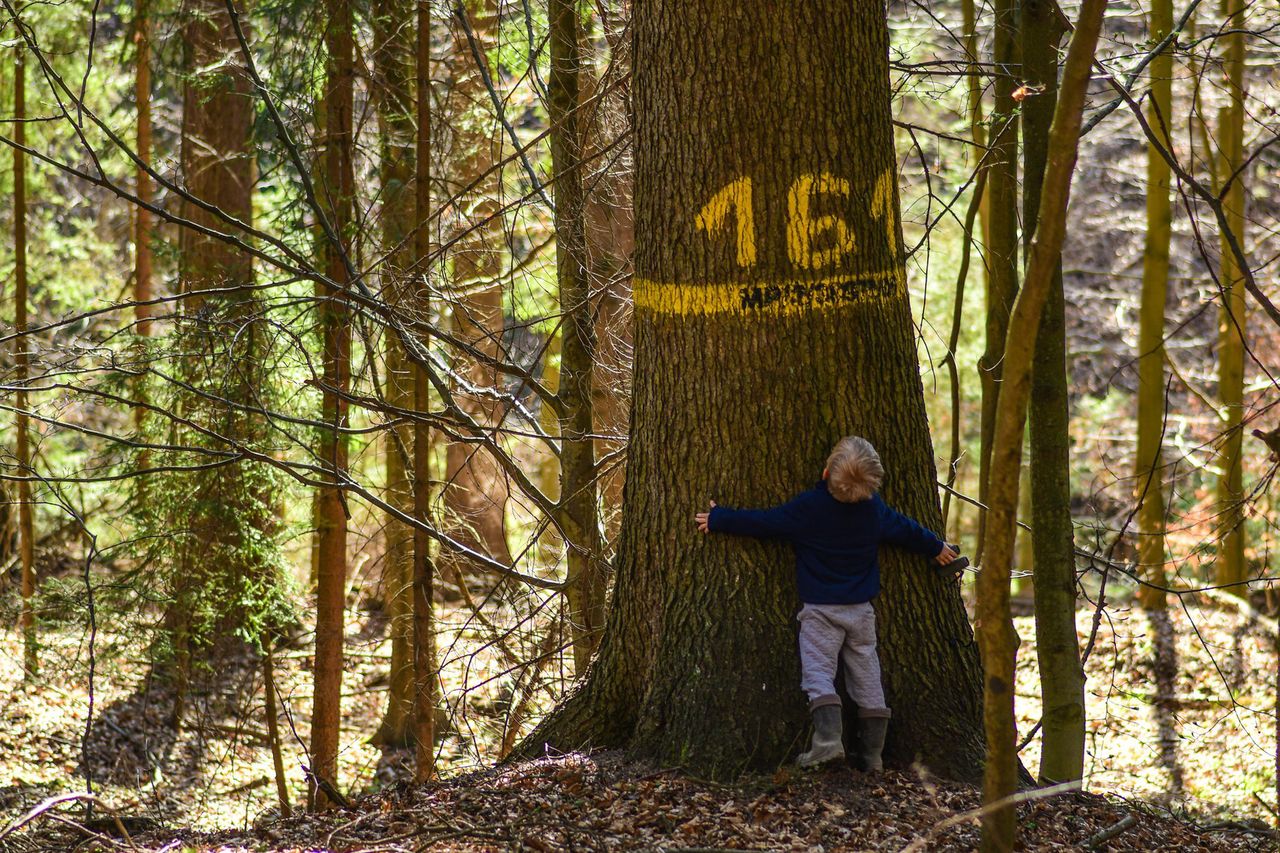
<point>22,360</point>
<point>273,729</point>
<point>1232,316</point>
<point>1149,473</point>
<point>577,507</point>
<point>476,491</point>
<point>142,216</point>
<point>336,193</point>
<point>996,635</point>
<point>1002,239</point>
<point>425,668</point>
<point>142,222</point>
<point>1053,544</point>
<point>771,319</point>
<point>393,56</point>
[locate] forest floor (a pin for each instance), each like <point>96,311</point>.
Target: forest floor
<point>1181,751</point>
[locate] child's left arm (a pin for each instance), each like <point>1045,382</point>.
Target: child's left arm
<point>898,529</point>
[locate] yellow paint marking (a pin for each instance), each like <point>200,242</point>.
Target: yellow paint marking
<point>736,197</point>
<point>772,298</point>
<point>882,207</point>
<point>805,230</point>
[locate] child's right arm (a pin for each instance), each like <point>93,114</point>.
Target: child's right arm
<point>779,521</point>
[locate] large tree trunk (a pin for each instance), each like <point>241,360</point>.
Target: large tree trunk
<point>1053,544</point>
<point>768,325</point>
<point>336,191</point>
<point>1149,474</point>
<point>1230,567</point>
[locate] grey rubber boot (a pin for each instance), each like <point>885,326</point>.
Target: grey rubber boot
<point>871,732</point>
<point>827,743</point>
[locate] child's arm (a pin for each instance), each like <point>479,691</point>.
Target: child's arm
<point>898,529</point>
<point>778,521</point>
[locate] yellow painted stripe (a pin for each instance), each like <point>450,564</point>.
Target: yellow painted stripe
<point>772,298</point>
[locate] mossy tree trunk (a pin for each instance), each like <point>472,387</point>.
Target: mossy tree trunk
<point>1052,541</point>
<point>1001,233</point>
<point>996,635</point>
<point>771,319</point>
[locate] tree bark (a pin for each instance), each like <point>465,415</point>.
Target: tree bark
<point>996,635</point>
<point>225,572</point>
<point>771,319</point>
<point>475,492</point>
<point>143,189</point>
<point>393,57</point>
<point>577,504</point>
<point>1149,473</point>
<point>336,191</point>
<point>1002,237</point>
<point>426,674</point>
<point>21,363</point>
<point>1052,540</point>
<point>1232,315</point>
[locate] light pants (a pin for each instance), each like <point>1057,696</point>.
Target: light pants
<point>830,634</point>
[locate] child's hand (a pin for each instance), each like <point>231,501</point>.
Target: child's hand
<point>701,518</point>
<point>946,556</point>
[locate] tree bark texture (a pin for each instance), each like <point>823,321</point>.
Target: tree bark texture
<point>1232,315</point>
<point>996,635</point>
<point>426,672</point>
<point>393,58</point>
<point>1002,236</point>
<point>1149,471</point>
<point>226,569</point>
<point>577,506</point>
<point>476,490</point>
<point>21,363</point>
<point>1052,540</point>
<point>336,190</point>
<point>771,319</point>
<point>143,188</point>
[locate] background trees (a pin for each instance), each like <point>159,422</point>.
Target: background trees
<point>404,286</point>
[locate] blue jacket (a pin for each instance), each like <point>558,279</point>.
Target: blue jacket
<point>836,543</point>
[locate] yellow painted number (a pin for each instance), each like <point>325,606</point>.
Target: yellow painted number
<point>882,208</point>
<point>805,232</point>
<point>813,242</point>
<point>736,197</point>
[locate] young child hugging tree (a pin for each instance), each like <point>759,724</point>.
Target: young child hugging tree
<point>836,529</point>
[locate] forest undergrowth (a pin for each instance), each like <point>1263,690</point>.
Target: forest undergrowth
<point>1179,735</point>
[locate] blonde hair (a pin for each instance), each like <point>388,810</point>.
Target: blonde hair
<point>854,472</point>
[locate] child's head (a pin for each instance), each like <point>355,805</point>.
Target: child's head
<point>854,472</point>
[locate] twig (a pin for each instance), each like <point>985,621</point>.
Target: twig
<point>54,802</point>
<point>1100,838</point>
<point>973,814</point>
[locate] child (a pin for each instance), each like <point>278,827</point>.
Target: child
<point>836,529</point>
